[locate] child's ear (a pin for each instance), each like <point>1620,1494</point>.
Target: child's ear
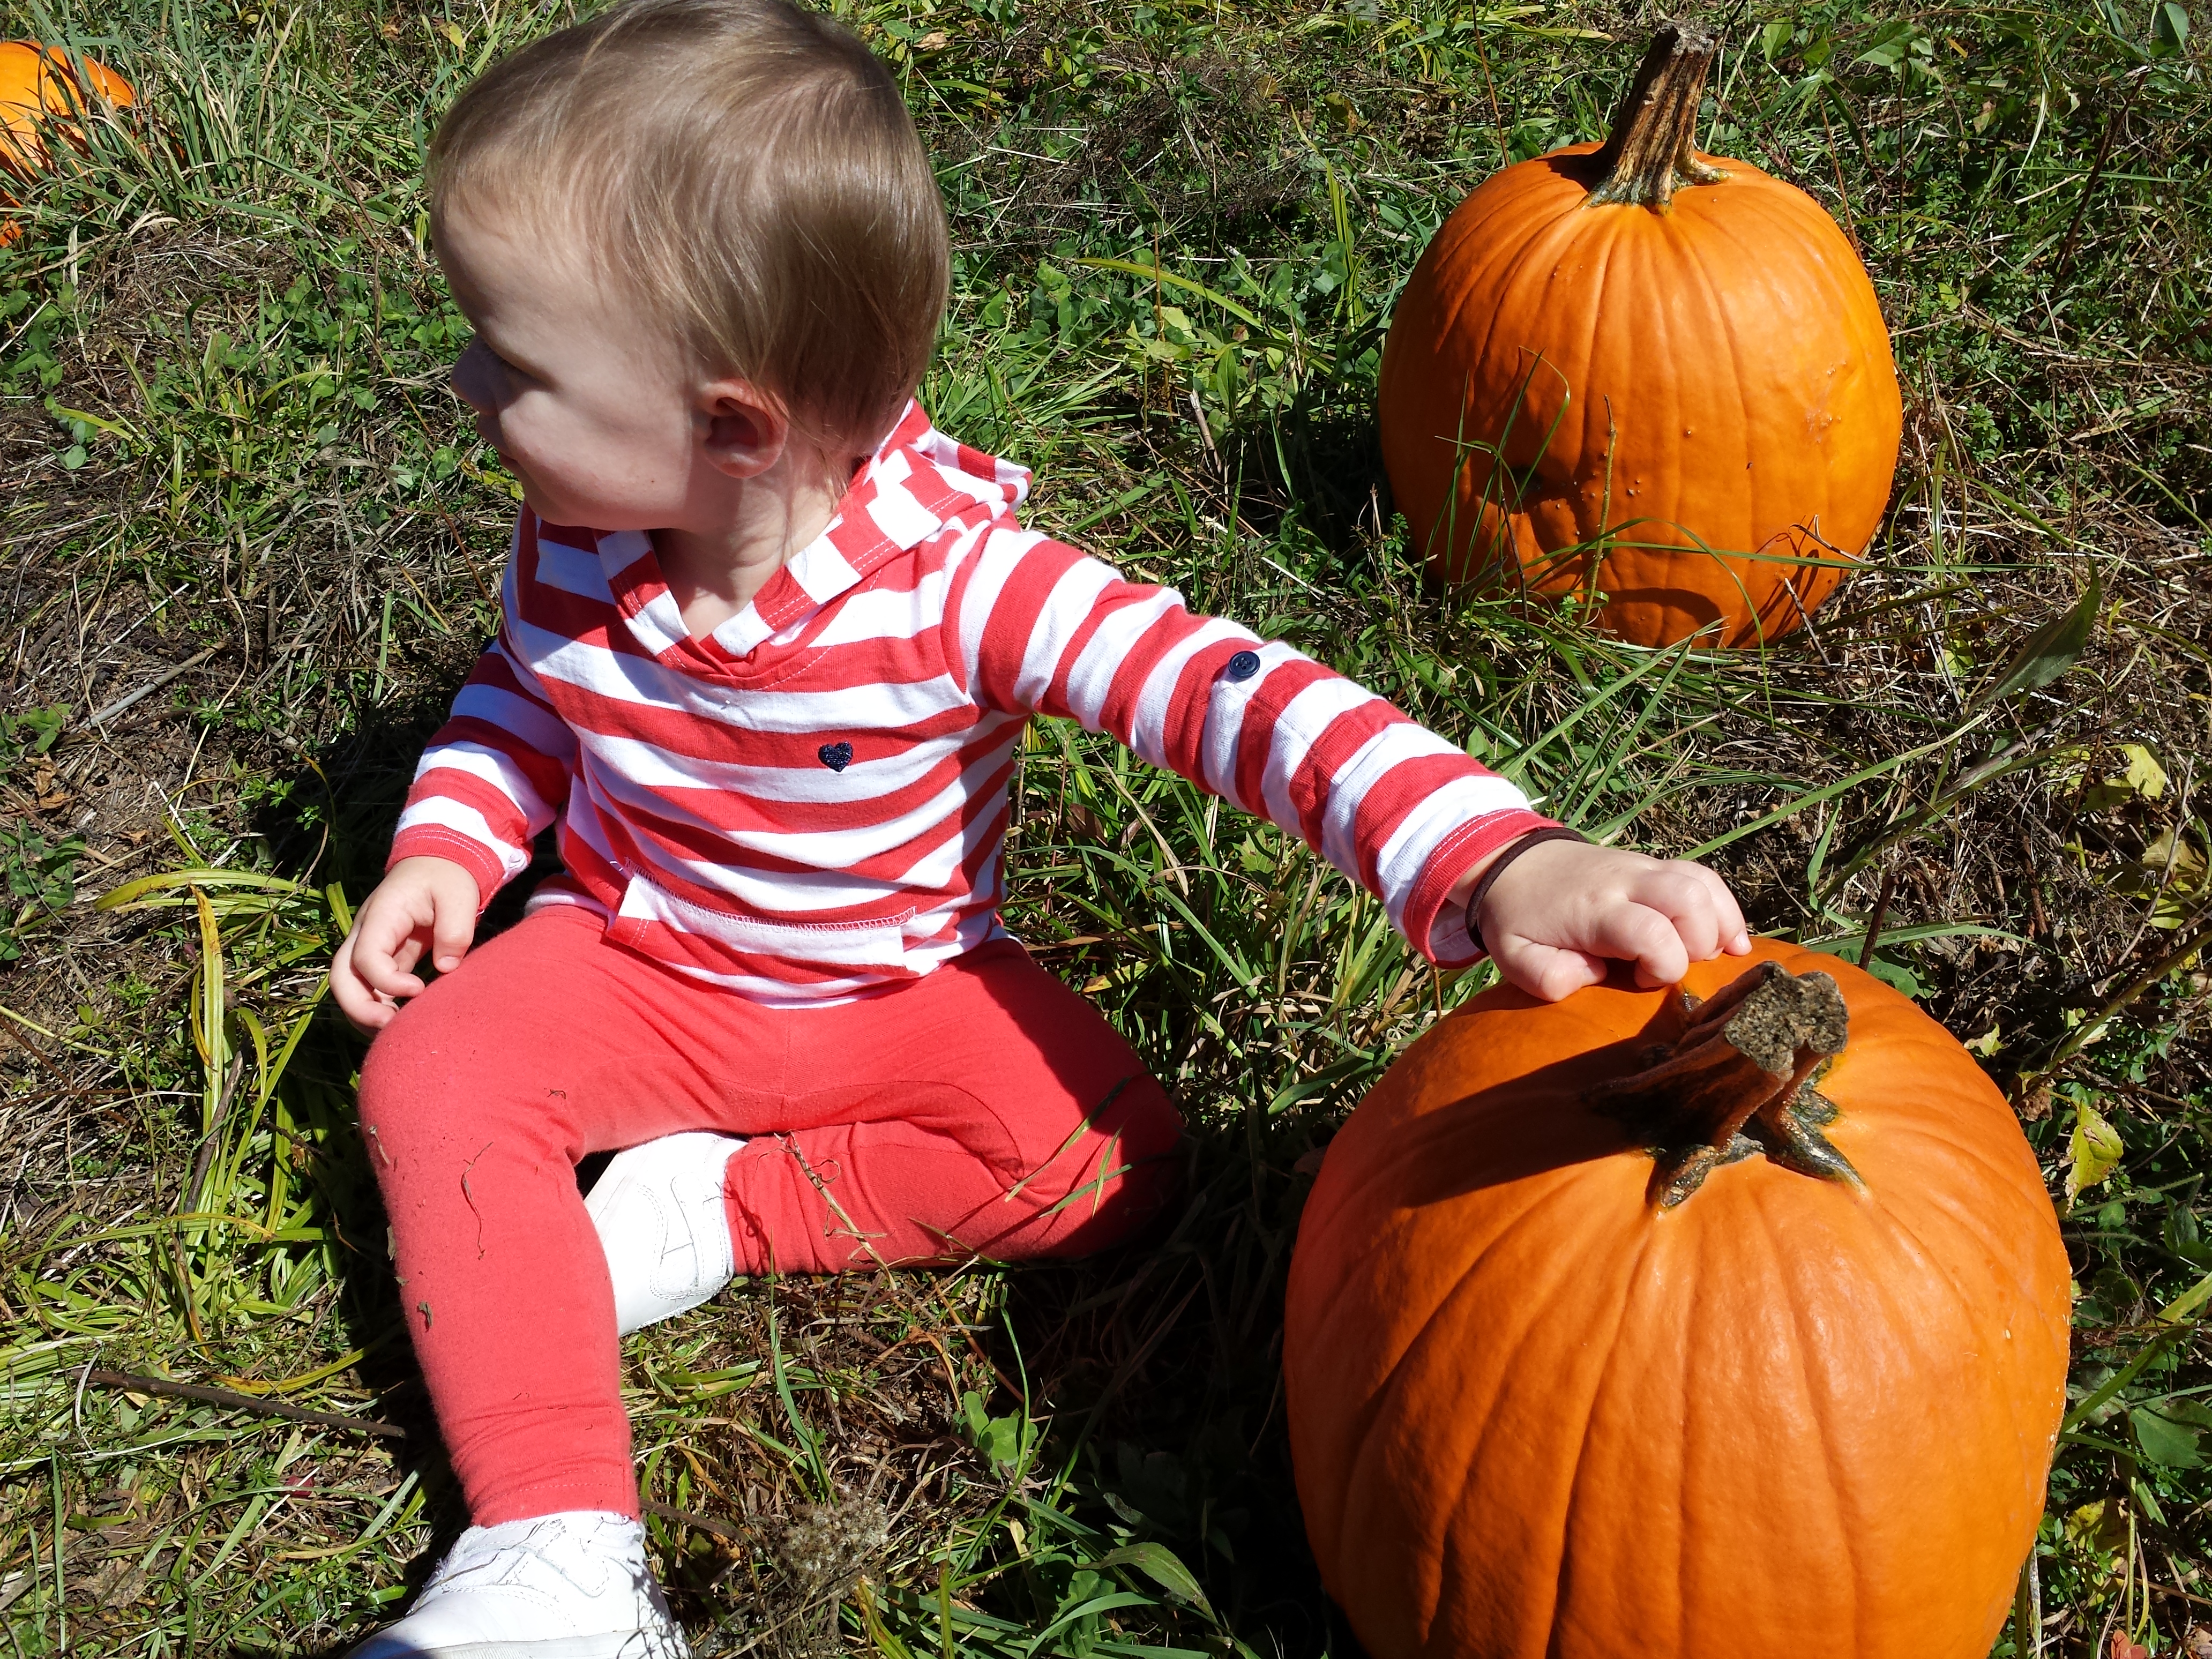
<point>744,429</point>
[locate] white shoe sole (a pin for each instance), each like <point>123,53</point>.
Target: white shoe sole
<point>635,1646</point>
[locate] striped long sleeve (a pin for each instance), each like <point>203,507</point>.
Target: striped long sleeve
<point>1043,629</point>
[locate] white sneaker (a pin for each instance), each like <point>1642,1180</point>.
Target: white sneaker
<point>663,1225</point>
<point>573,1585</point>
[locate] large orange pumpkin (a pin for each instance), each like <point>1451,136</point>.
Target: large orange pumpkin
<point>1618,1327</point>
<point>1681,363</point>
<point>39,89</point>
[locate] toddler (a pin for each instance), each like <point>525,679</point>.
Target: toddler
<point>768,646</point>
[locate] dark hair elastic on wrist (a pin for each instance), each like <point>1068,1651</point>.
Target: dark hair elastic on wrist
<point>1513,850</point>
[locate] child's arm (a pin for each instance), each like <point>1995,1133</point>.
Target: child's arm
<point>493,778</point>
<point>1041,629</point>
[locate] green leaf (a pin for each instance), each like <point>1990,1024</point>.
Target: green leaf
<point>1773,38</point>
<point>2095,1151</point>
<point>2165,1440</point>
<point>1164,1568</point>
<point>2169,30</point>
<point>2184,1236</point>
<point>2053,648</point>
<point>47,723</point>
<point>1896,976</point>
<point>999,1438</point>
<point>1001,1442</point>
<point>1895,42</point>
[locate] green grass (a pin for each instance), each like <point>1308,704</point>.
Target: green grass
<point>228,447</point>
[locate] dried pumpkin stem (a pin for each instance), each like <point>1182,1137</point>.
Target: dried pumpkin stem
<point>1736,1083</point>
<point>1652,151</point>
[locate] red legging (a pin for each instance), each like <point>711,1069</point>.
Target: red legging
<point>984,1109</point>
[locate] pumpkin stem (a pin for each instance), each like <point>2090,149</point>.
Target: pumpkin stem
<point>1652,151</point>
<point>1736,1082</point>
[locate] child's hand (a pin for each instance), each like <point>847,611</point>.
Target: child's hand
<point>421,903</point>
<point>1561,910</point>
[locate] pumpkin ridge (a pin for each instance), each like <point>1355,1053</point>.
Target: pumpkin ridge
<point>1769,215</point>
<point>1379,1161</point>
<point>1619,1300</point>
<point>1836,1483</point>
<point>1553,232</point>
<point>1999,1169</point>
<point>1966,1305</point>
<point>1967,1222</point>
<point>1717,314</point>
<point>1629,1282</point>
<point>1428,1335</point>
<point>1846,298</point>
<point>1376,1410</point>
<point>1593,561</point>
<point>1524,254</point>
<point>1923,1130</point>
<point>1449,321</point>
<point>1551,467</point>
<point>1775,213</point>
<point>1694,1392</point>
<point>1450,509</point>
<point>1667,457</point>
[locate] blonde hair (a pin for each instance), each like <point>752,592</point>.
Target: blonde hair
<point>744,169</point>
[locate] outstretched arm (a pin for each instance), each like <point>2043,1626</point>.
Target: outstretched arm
<point>1040,627</point>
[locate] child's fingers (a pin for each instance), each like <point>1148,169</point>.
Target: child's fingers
<point>1686,896</point>
<point>450,929</point>
<point>359,1004</point>
<point>1636,933</point>
<point>1734,934</point>
<point>386,971</point>
<point>1546,970</point>
<point>1705,912</point>
<point>385,942</point>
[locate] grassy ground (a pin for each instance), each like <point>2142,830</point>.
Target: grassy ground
<point>249,549</point>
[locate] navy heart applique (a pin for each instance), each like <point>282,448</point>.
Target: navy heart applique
<point>835,755</point>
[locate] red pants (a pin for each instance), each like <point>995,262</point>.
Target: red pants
<point>985,1109</point>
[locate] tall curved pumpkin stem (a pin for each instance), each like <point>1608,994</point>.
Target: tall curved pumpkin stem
<point>1736,1082</point>
<point>1652,151</point>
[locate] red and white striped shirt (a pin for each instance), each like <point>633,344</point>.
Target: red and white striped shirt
<point>812,801</point>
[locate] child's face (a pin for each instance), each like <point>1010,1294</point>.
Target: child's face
<point>589,407</point>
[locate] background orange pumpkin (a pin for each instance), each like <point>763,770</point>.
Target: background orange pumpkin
<point>1535,1412</point>
<point>1681,363</point>
<point>39,89</point>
